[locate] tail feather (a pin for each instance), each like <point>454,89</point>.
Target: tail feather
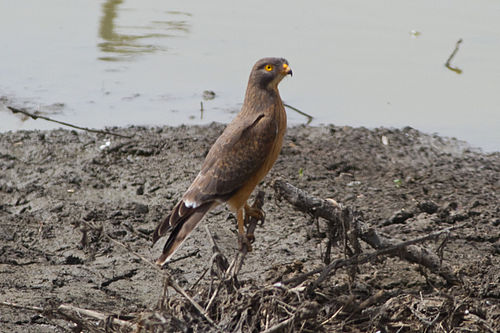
<point>181,229</point>
<point>161,229</point>
<point>169,222</point>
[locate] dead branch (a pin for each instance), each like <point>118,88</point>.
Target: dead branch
<point>188,255</point>
<point>22,307</point>
<point>220,261</point>
<point>171,282</point>
<point>309,117</point>
<point>35,117</point>
<point>385,246</point>
<point>450,58</point>
<point>279,327</point>
<point>218,258</point>
<point>107,318</point>
<point>123,276</point>
<point>304,202</point>
<point>366,303</point>
<point>392,250</point>
<point>63,310</point>
<point>416,254</point>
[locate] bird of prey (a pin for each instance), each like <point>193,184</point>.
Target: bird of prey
<point>239,159</point>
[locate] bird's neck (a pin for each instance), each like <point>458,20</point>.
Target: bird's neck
<point>258,98</point>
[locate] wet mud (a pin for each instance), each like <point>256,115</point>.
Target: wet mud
<point>62,193</point>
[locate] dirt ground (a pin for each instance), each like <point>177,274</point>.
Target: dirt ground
<point>62,192</point>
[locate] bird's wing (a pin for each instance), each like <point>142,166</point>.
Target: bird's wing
<point>237,154</point>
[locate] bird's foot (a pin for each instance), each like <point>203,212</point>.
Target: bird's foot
<point>256,213</point>
<point>244,241</point>
<point>251,238</point>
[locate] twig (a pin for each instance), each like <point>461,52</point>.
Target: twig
<point>126,275</point>
<point>193,302</point>
<point>190,254</point>
<point>452,55</point>
<point>217,257</point>
<point>22,307</point>
<point>79,311</point>
<point>96,315</point>
<point>366,303</point>
<point>387,246</point>
<point>171,281</point>
<point>304,202</point>
<point>35,117</point>
<point>280,326</point>
<point>199,279</point>
<point>222,265</point>
<point>368,257</point>
<point>164,295</point>
<point>212,298</point>
<point>416,254</point>
<point>309,117</point>
<point>333,316</point>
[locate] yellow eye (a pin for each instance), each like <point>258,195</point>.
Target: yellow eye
<point>269,68</point>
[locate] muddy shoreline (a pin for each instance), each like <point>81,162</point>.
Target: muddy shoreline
<point>400,181</point>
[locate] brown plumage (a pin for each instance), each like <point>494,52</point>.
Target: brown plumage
<point>238,160</point>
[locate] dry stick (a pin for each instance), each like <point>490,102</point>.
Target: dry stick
<point>452,55</point>
<point>309,117</point>
<point>232,269</point>
<point>280,326</point>
<point>35,117</point>
<point>325,209</point>
<point>190,254</point>
<point>22,307</point>
<point>303,201</point>
<point>361,258</point>
<point>96,315</point>
<point>222,264</point>
<point>368,257</point>
<point>162,299</point>
<point>43,311</point>
<point>79,311</point>
<point>171,281</point>
<point>416,254</point>
<point>218,257</point>
<point>366,303</point>
<point>333,316</point>
<point>199,279</point>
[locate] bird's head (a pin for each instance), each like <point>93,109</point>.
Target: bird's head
<point>268,72</point>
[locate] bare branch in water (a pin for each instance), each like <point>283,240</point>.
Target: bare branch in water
<point>309,117</point>
<point>452,55</point>
<point>35,117</point>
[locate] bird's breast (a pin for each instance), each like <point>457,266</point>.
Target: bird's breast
<point>241,196</point>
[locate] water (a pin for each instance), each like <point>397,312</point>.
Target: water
<point>359,63</point>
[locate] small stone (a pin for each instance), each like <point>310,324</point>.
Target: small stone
<point>140,190</point>
<point>398,217</point>
<point>57,208</point>
<point>141,208</point>
<point>428,207</point>
<point>73,260</point>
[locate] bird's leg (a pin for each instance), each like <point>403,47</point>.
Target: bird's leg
<point>254,212</point>
<point>243,239</point>
<point>257,214</point>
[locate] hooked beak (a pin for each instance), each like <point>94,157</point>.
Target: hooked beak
<point>286,70</point>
